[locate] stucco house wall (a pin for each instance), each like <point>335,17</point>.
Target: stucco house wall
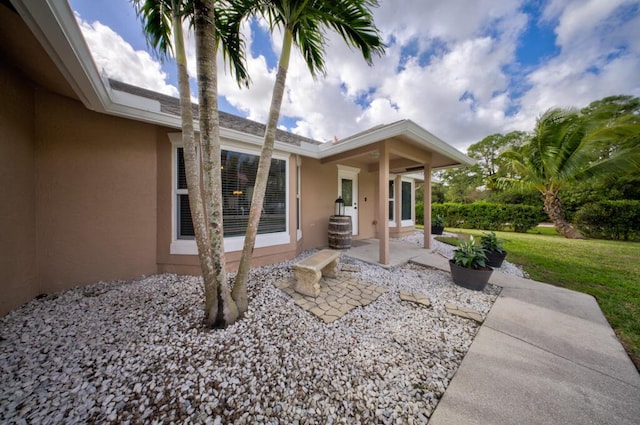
<point>96,195</point>
<point>18,273</point>
<point>79,193</point>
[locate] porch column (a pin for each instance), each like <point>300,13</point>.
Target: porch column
<point>427,206</point>
<point>383,203</point>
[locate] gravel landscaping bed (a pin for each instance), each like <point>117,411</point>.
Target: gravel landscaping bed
<point>133,352</point>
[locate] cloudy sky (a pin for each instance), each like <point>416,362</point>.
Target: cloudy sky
<point>462,69</point>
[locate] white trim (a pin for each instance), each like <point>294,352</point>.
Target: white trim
<point>233,243</point>
<point>353,211</point>
<point>411,222</point>
<point>347,169</point>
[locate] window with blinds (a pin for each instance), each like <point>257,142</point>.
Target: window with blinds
<point>238,180</point>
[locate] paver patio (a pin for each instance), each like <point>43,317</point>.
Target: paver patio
<point>337,297</point>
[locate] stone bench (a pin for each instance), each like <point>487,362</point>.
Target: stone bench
<point>309,271</point>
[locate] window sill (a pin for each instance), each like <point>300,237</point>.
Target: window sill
<point>234,244</point>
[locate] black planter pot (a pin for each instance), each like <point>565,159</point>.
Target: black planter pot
<point>495,258</point>
<point>475,279</point>
<point>437,230</point>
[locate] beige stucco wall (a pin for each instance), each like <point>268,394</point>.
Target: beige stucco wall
<point>18,277</point>
<point>319,192</point>
<point>96,195</point>
<point>78,191</point>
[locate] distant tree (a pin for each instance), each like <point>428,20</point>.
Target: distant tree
<point>463,184</point>
<point>487,151</point>
<point>565,147</point>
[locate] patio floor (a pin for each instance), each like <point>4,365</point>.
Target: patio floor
<point>338,295</point>
<point>400,252</point>
<point>342,294</point>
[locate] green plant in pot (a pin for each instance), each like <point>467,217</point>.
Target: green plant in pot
<point>437,225</point>
<point>493,249</point>
<point>469,266</point>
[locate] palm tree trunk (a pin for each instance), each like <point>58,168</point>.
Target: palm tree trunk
<point>262,176</point>
<point>220,309</point>
<point>553,208</point>
<point>191,161</point>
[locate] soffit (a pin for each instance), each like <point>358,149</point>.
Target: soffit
<point>20,49</point>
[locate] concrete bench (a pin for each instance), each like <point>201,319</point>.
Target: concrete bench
<point>309,271</point>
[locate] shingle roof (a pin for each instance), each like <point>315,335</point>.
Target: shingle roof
<point>171,105</point>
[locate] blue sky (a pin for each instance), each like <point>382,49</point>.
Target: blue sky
<point>463,70</point>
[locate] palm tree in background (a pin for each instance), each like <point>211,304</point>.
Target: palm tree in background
<point>303,23</point>
<point>566,146</point>
<point>162,25</point>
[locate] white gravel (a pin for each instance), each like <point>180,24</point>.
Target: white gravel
<point>133,352</point>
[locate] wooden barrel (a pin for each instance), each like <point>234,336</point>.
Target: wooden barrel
<point>340,232</point>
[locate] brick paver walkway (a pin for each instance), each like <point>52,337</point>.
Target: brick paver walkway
<point>337,296</point>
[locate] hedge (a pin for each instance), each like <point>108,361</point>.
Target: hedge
<point>619,220</point>
<point>486,216</point>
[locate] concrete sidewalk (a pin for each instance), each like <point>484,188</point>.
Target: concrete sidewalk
<point>544,355</point>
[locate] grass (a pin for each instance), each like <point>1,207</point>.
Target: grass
<point>608,270</point>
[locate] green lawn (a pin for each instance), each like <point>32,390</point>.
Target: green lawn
<point>608,270</point>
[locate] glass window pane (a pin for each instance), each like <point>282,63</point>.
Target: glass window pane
<point>185,223</point>
<point>181,173</point>
<point>406,200</point>
<point>238,180</point>
<point>347,192</point>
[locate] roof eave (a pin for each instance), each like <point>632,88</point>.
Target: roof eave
<point>399,128</point>
<point>53,24</point>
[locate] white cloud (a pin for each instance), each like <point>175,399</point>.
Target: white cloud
<point>117,59</point>
<point>599,56</point>
<point>428,93</point>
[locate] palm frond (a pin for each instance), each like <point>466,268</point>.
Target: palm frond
<point>156,17</point>
<point>229,41</point>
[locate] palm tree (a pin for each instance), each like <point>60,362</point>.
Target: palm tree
<point>304,23</point>
<point>565,147</point>
<point>162,25</point>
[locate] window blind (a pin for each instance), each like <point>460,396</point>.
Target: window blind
<point>238,181</point>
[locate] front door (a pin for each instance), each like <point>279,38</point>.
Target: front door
<point>348,189</point>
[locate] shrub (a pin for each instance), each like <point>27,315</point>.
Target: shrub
<point>487,216</point>
<point>420,212</point>
<point>618,220</point>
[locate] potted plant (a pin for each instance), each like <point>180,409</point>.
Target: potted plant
<point>493,249</point>
<point>437,225</point>
<point>469,266</point>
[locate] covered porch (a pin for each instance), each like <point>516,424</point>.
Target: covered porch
<point>393,153</point>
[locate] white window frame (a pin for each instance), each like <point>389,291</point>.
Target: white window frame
<point>411,222</point>
<point>392,198</point>
<point>232,243</point>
